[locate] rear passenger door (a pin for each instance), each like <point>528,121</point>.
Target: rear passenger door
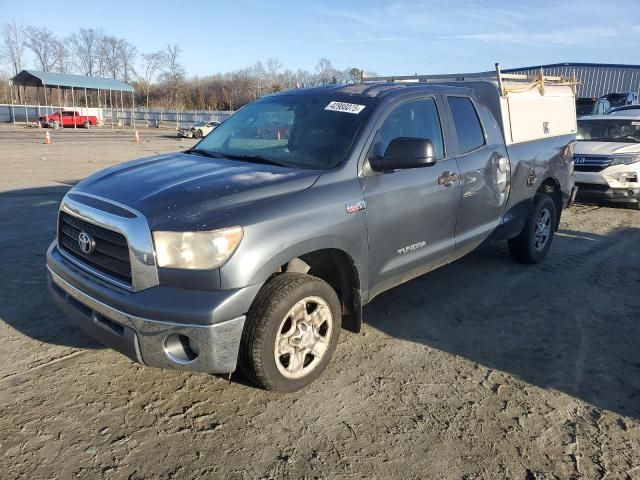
<point>411,213</point>
<point>484,172</point>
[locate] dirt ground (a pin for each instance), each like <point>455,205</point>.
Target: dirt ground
<point>483,369</point>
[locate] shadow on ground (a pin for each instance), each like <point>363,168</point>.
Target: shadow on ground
<point>28,219</point>
<point>571,323</point>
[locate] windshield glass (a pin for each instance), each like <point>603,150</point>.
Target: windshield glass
<point>199,124</point>
<point>605,130</point>
<point>303,131</point>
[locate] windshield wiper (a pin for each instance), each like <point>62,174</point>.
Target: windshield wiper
<point>252,159</point>
<point>202,152</point>
<point>231,156</point>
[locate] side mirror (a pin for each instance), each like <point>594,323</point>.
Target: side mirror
<point>405,152</point>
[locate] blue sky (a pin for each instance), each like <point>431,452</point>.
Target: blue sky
<point>396,37</point>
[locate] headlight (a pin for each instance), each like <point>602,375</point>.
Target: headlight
<point>625,159</point>
<point>196,250</point>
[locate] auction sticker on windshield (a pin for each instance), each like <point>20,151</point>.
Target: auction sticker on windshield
<point>345,107</point>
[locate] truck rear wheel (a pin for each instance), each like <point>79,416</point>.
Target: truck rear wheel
<point>533,243</point>
<point>291,332</point>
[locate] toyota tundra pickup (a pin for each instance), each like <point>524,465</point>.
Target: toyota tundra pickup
<point>257,251</point>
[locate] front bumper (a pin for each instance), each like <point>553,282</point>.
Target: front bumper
<point>145,325</point>
<point>595,191</point>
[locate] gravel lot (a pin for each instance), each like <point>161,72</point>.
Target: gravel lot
<point>482,369</point>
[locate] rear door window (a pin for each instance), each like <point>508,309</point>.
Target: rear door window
<point>467,123</point>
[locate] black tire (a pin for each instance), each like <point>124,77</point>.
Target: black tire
<point>527,247</point>
<point>265,322</point>
<point>197,134</point>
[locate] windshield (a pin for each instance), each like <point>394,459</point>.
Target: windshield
<point>605,130</point>
<point>200,124</point>
<point>303,131</point>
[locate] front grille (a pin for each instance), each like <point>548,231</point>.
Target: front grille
<point>596,187</point>
<point>587,163</point>
<point>111,253</point>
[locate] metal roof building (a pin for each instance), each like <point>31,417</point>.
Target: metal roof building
<point>33,78</point>
<point>596,79</point>
<point>105,90</point>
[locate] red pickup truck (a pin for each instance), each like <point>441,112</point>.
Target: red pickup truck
<point>68,118</point>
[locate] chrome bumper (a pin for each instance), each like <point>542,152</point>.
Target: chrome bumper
<point>148,341</point>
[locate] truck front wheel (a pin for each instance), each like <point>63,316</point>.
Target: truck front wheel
<point>533,243</point>
<point>291,332</point>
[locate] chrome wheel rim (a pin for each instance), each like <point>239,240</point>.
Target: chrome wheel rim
<point>303,337</point>
<point>543,229</point>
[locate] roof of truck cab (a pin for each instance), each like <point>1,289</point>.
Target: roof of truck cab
<point>372,90</point>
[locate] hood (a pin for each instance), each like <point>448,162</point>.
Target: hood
<point>179,191</point>
<point>583,147</point>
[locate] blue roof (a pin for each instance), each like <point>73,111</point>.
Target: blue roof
<point>34,78</point>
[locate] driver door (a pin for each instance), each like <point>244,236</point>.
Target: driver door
<point>411,213</point>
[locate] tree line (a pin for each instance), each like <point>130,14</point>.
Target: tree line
<point>159,78</point>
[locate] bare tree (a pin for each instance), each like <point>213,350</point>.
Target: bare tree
<point>174,71</point>
<point>13,43</point>
<point>42,42</point>
<point>152,63</point>
<point>110,55</point>
<point>62,55</point>
<point>85,46</point>
<point>325,71</point>
<point>127,53</point>
<point>272,68</point>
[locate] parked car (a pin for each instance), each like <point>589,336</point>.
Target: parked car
<point>68,118</point>
<point>199,130</point>
<point>258,251</point>
<point>627,110</point>
<point>607,158</point>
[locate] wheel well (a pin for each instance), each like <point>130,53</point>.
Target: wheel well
<point>337,269</point>
<point>552,188</point>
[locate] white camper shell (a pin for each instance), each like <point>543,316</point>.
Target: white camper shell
<point>527,108</point>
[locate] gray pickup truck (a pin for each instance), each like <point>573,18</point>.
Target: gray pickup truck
<point>259,244</point>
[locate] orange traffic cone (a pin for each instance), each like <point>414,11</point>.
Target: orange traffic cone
<point>136,137</point>
<point>47,139</point>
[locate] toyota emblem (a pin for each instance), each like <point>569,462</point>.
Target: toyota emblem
<point>86,243</point>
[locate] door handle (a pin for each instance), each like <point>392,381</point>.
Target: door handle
<point>448,178</point>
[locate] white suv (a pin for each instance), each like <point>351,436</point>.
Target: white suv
<point>607,158</point>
